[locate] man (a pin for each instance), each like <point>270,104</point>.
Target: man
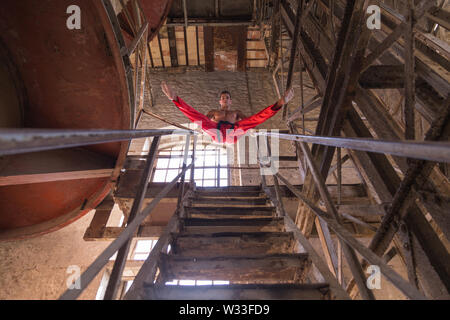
<point>226,125</point>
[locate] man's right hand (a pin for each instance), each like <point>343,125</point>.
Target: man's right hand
<point>288,95</point>
<point>168,91</point>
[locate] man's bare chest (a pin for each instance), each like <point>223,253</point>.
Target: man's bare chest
<point>222,115</point>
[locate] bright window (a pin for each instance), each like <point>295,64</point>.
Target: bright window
<point>143,249</point>
<point>197,283</point>
<point>210,165</point>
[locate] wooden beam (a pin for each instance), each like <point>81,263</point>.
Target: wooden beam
<point>19,179</point>
<point>197,46</point>
<point>309,106</point>
<point>241,36</point>
<point>349,253</point>
<point>208,33</point>
<point>122,254</point>
<point>172,46</point>
<point>440,16</point>
<point>410,76</point>
<point>343,69</point>
<point>422,8</point>
<point>160,51</point>
<point>383,77</point>
<point>345,235</point>
<point>186,53</point>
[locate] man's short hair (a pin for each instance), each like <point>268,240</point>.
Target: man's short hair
<point>225,92</point>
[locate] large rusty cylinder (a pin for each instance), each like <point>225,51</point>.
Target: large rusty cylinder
<point>61,67</point>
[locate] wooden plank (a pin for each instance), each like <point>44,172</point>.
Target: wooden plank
<point>254,268</point>
<point>231,225</point>
<point>231,210</point>
<point>160,51</point>
<point>209,48</point>
<point>54,176</point>
<point>240,292</point>
<point>309,106</point>
<point>410,75</point>
<point>186,46</point>
<point>241,35</point>
<point>383,77</point>
<point>232,243</point>
<point>172,46</point>
<point>439,16</point>
<point>229,201</point>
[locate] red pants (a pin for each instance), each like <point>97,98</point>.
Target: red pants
<point>226,133</point>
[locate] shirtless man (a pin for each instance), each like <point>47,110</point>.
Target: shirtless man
<point>225,113</point>
<point>226,125</point>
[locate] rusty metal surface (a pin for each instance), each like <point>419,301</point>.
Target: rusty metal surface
<point>155,12</point>
<point>71,79</point>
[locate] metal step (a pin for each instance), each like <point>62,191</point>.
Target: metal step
<point>230,211</point>
<point>232,243</point>
<point>318,291</point>
<point>228,193</point>
<point>228,189</point>
<point>229,200</point>
<point>273,268</point>
<point>202,225</point>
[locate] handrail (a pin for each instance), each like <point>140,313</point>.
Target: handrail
<point>16,141</point>
<point>404,286</point>
<point>122,254</point>
<point>425,150</point>
<point>131,228</point>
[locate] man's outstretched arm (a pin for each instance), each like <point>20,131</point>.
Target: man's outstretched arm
<point>288,95</point>
<point>168,91</point>
<point>265,114</point>
<point>186,109</point>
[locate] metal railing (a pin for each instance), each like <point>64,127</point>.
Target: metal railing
<point>122,242</point>
<point>333,220</point>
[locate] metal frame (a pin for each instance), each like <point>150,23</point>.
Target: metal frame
<point>317,44</point>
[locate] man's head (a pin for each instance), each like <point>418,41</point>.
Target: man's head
<point>225,100</point>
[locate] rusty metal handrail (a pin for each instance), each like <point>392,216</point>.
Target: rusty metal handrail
<point>424,150</point>
<point>345,236</point>
<point>103,258</point>
<point>16,141</point>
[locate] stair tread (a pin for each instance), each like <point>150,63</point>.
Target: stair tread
<point>232,234</point>
<point>222,208</point>
<point>317,291</point>
<point>212,220</point>
<point>229,194</point>
<point>229,188</point>
<point>264,268</point>
<point>229,200</point>
<point>233,243</point>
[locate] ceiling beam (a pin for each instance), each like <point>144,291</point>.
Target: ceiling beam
<point>208,33</point>
<point>172,46</point>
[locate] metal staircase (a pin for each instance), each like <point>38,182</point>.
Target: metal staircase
<point>233,234</point>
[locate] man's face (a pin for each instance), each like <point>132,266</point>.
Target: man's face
<point>225,101</point>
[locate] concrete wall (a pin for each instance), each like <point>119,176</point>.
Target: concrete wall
<point>38,268</point>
